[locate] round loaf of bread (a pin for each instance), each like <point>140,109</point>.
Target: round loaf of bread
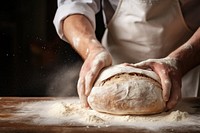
<point>123,89</point>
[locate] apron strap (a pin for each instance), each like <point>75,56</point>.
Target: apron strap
<point>108,10</point>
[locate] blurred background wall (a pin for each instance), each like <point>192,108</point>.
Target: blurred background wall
<point>34,61</point>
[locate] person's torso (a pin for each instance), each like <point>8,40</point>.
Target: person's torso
<point>190,9</point>
<point>143,29</point>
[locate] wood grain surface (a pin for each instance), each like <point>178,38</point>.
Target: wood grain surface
<point>8,111</point>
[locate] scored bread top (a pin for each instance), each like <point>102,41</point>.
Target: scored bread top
<point>122,68</point>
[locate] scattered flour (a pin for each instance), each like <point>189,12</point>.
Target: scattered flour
<point>177,116</point>
<point>58,110</point>
<point>69,112</point>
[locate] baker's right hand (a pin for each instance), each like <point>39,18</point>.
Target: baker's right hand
<point>96,60</point>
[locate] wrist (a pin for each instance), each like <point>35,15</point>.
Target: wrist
<point>90,45</point>
<point>177,64</point>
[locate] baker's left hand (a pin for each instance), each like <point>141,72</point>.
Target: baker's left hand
<point>169,72</point>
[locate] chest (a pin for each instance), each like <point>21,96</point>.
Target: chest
<point>189,9</point>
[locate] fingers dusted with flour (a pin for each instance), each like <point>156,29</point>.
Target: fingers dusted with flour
<point>172,68</point>
<point>81,92</point>
<point>96,61</point>
<point>167,69</point>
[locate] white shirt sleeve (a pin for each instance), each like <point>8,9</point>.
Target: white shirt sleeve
<point>68,7</point>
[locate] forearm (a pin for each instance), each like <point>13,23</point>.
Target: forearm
<point>81,35</point>
<point>188,55</point>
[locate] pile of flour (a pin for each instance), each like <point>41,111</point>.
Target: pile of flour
<point>70,112</point>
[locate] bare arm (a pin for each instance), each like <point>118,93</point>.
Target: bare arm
<point>81,35</point>
<point>188,54</point>
<point>172,68</point>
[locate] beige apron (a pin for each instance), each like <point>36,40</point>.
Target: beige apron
<point>144,29</point>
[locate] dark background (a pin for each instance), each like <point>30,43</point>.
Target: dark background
<point>34,60</point>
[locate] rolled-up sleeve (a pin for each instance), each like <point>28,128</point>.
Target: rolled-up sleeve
<point>65,8</point>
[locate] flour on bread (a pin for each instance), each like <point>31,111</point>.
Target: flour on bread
<point>127,95</point>
<point>123,89</point>
<point>121,68</point>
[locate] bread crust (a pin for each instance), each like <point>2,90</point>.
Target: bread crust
<point>127,93</point>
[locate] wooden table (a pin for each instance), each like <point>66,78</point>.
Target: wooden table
<point>8,109</point>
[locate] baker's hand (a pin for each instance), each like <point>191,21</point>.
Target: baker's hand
<point>170,75</point>
<point>97,59</point>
